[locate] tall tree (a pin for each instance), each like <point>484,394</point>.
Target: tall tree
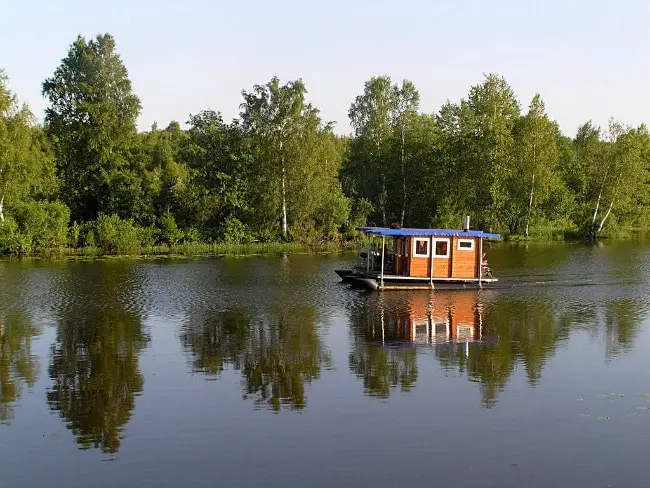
<point>92,117</point>
<point>25,162</point>
<point>218,157</point>
<point>165,176</point>
<point>292,147</point>
<point>407,101</point>
<point>613,165</point>
<point>489,115</point>
<point>271,114</point>
<point>536,161</point>
<point>425,182</point>
<point>620,171</point>
<point>371,115</point>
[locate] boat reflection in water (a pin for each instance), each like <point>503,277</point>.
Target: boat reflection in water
<point>424,318</point>
<point>389,328</point>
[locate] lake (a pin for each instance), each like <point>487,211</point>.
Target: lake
<point>267,371</point>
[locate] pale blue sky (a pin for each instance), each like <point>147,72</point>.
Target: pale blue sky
<point>588,59</point>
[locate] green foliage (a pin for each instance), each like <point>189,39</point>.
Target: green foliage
<point>91,119</point>
<point>280,173</point>
<point>34,225</point>
<point>116,235</point>
<point>192,235</point>
<point>169,231</point>
<point>44,222</point>
<point>266,236</point>
<point>148,237</point>
<point>333,213</point>
<point>26,163</point>
<point>235,232</point>
<point>10,238</point>
<point>297,158</point>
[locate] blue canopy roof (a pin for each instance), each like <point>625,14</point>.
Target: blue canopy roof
<point>386,231</point>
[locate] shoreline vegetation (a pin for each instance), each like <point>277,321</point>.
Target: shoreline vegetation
<point>277,178</point>
<point>201,250</point>
<point>194,250</point>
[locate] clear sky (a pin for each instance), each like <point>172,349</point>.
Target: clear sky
<point>588,59</point>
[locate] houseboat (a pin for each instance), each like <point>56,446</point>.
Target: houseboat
<point>406,258</point>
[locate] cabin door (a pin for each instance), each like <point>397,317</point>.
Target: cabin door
<point>441,255</point>
<point>401,264</point>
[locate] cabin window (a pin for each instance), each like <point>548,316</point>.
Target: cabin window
<point>421,246</point>
<point>441,248</point>
<point>466,244</point>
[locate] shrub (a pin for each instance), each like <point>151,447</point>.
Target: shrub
<point>192,235</point>
<point>9,237</point>
<point>169,231</point>
<point>148,236</point>
<point>234,231</point>
<point>88,234</point>
<point>46,222</point>
<point>266,236</point>
<point>115,234</point>
<point>334,212</point>
<point>74,235</point>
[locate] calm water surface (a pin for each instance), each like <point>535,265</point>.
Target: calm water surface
<point>266,371</point>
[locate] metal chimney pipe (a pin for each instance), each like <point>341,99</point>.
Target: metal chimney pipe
<point>466,223</point>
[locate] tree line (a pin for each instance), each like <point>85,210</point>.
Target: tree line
<point>278,172</point>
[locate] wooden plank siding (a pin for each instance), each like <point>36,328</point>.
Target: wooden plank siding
<point>419,266</point>
<point>442,266</point>
<point>464,262</point>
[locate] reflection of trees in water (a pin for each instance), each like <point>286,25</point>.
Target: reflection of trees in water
<point>615,320</point>
<point>622,318</point>
<point>17,364</point>
<point>94,365</point>
<point>382,368</point>
<point>527,332</point>
<point>217,340</point>
<point>276,354</point>
<point>530,332</point>
<point>95,374</point>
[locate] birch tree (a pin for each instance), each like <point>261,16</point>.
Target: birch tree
<point>536,161</point>
<point>616,171</point>
<point>371,115</point>
<point>485,131</point>
<point>407,101</point>
<point>289,142</point>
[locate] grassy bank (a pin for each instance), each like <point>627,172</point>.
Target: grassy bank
<point>572,234</point>
<point>192,250</point>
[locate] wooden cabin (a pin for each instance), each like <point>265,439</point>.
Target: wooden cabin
<point>421,258</point>
<point>440,257</point>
